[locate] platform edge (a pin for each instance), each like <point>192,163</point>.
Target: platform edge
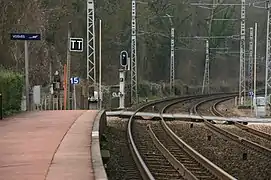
<point>97,130</point>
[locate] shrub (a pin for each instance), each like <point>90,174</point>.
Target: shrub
<point>11,86</point>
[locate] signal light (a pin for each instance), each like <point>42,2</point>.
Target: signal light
<point>123,58</point>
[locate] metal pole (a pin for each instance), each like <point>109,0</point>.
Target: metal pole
<point>250,62</point>
<point>205,83</point>
<point>255,67</point>
<point>250,66</point>
<point>172,62</point>
<point>91,61</point>
<point>74,97</point>
<point>242,84</point>
<point>100,66</point>
<point>134,94</point>
<point>206,76</point>
<point>68,66</point>
<point>26,75</point>
<point>122,89</point>
<point>267,56</point>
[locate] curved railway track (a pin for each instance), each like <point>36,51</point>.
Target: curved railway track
<point>160,154</point>
<point>220,149</point>
<point>232,136</point>
<point>255,132</point>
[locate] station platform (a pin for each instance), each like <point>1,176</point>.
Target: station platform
<point>50,145</point>
<point>151,115</point>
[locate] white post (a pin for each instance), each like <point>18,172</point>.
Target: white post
<point>26,75</point>
<point>100,65</point>
<point>255,67</point>
<point>74,97</point>
<point>122,89</point>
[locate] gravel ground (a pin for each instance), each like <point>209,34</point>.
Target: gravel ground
<point>121,164</point>
<point>264,127</point>
<point>156,108</point>
<point>226,154</point>
<point>205,109</point>
<point>228,107</point>
<point>182,107</point>
<point>239,132</point>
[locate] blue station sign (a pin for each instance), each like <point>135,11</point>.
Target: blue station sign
<point>25,36</point>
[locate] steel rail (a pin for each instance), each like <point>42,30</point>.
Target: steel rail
<point>261,134</point>
<point>234,137</point>
<point>142,167</point>
<point>214,169</point>
<point>172,160</point>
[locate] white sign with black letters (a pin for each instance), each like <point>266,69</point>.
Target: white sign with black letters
<point>76,44</point>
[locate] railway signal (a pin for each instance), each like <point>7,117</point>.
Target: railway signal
<point>56,81</point>
<point>124,58</point>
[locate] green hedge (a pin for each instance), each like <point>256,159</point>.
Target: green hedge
<point>11,86</point>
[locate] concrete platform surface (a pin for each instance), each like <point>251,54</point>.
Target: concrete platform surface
<point>46,145</point>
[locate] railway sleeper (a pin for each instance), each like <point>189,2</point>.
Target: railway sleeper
<point>165,178</point>
<point>184,158</point>
<point>154,160</point>
<point>160,166</point>
<point>161,170</point>
<point>166,175</point>
<point>154,156</point>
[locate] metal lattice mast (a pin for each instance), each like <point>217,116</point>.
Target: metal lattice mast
<point>133,56</point>
<point>206,77</point>
<point>91,63</point>
<point>205,83</point>
<point>250,61</point>
<point>172,62</point>
<point>268,51</point>
<point>242,79</point>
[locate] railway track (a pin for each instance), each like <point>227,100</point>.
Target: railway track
<point>160,154</point>
<point>154,159</point>
<point>254,135</point>
<point>232,136</point>
<point>235,158</point>
<point>255,132</point>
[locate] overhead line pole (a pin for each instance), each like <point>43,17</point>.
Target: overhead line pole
<point>206,76</point>
<point>91,53</point>
<point>100,64</point>
<point>172,64</point>
<point>255,65</point>
<point>250,61</point>
<point>206,70</point>
<point>134,93</point>
<point>242,85</point>
<point>242,79</point>
<point>268,59</point>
